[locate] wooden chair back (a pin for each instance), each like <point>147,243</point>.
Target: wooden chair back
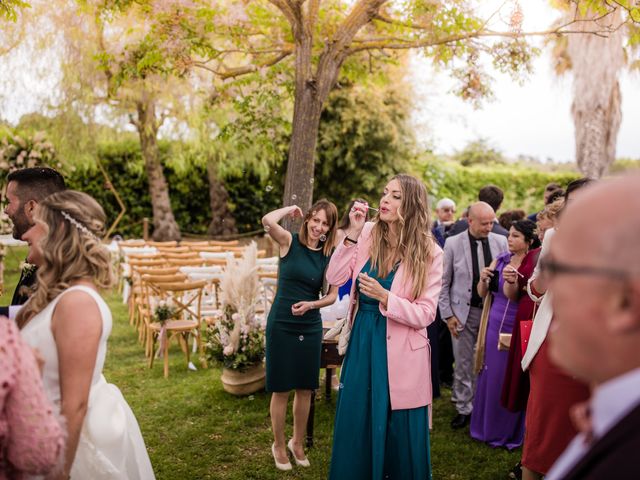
<point>185,262</point>
<point>181,256</point>
<point>170,243</point>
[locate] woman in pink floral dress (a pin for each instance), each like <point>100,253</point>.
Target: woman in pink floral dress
<point>31,439</point>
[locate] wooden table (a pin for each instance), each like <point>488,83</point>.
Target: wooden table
<point>329,360</point>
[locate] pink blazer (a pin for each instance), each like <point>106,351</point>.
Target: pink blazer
<point>408,349</point>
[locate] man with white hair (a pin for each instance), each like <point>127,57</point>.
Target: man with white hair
<point>445,212</point>
<point>594,271</point>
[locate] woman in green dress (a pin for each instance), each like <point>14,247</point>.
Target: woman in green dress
<point>294,326</point>
<point>382,416</point>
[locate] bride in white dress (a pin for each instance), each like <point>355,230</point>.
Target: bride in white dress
<point>69,323</point>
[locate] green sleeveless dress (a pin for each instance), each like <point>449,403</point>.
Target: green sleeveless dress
<point>294,342</point>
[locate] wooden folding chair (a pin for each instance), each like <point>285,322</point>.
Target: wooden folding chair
<point>186,297</point>
<point>185,262</point>
<point>157,270</point>
<point>205,248</point>
<point>132,243</point>
<point>221,243</point>
<point>169,243</point>
<point>181,255</point>
<point>193,243</point>
<point>181,249</point>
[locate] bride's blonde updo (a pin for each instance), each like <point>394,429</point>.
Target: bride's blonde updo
<point>71,248</point>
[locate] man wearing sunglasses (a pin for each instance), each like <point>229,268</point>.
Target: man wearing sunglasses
<point>593,269</point>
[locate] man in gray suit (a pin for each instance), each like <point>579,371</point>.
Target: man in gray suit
<point>465,255</point>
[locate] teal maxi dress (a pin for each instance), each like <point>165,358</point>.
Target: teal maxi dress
<point>294,342</point>
<point>371,441</point>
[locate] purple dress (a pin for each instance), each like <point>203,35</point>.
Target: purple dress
<point>490,422</point>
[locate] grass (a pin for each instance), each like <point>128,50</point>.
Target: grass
<point>194,430</point>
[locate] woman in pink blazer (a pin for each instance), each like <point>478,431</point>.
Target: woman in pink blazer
<point>382,418</point>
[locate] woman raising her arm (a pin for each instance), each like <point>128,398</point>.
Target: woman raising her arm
<point>294,326</point>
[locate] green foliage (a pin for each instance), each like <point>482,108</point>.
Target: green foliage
<point>523,187</point>
<point>188,187</point>
<point>9,9</point>
<point>364,138</point>
<point>624,165</point>
<point>478,152</point>
<point>251,196</point>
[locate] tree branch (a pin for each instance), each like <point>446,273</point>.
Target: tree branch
<point>395,43</point>
<point>287,10</point>
<point>227,72</point>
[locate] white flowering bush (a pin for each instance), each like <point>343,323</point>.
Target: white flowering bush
<point>19,151</point>
<point>237,339</point>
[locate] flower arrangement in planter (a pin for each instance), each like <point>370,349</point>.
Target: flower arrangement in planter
<point>237,339</point>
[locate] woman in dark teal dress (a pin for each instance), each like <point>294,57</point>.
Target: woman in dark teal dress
<point>382,415</point>
<point>294,326</point>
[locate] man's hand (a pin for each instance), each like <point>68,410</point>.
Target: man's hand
<point>454,326</point>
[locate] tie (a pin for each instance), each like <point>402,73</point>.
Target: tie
<point>580,415</point>
<point>480,249</point>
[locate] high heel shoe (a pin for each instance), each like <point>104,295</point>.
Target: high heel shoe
<point>280,466</point>
<point>302,463</point>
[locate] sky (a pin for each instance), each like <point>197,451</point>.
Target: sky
<point>532,119</point>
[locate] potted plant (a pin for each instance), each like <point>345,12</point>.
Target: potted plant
<point>237,339</point>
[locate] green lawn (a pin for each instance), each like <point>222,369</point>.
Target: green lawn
<point>194,430</point>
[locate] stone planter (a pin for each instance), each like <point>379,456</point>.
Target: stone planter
<point>244,382</point>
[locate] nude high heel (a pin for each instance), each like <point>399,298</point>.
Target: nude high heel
<point>280,466</point>
<point>300,462</point>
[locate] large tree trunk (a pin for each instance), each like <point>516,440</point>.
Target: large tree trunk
<point>164,223</point>
<point>298,188</point>
<point>596,109</point>
<point>311,91</point>
<point>222,221</point>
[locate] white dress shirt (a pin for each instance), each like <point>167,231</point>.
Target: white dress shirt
<point>544,313</point>
<point>609,403</point>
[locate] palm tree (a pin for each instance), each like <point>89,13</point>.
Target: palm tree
<point>595,61</point>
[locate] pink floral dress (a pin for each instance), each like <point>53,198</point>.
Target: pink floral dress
<point>31,439</point>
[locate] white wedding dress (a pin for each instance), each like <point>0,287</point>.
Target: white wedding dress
<point>111,445</point>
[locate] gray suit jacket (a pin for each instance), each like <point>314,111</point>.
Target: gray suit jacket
<point>457,277</point>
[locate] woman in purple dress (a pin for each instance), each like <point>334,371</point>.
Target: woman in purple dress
<point>490,422</point>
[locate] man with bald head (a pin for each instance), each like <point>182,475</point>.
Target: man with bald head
<point>594,271</point>
<point>465,255</point>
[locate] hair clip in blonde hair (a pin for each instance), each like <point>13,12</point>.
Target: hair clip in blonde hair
<point>79,226</point>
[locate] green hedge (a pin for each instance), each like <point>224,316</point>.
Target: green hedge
<point>188,183</point>
<point>123,163</point>
<point>250,196</point>
<point>523,187</point>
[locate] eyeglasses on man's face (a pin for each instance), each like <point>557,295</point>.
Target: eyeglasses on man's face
<point>552,267</point>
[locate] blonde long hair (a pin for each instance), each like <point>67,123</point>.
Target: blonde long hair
<point>415,242</point>
<point>71,248</point>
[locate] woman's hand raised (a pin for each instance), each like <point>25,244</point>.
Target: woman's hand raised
<point>357,217</point>
<point>295,212</point>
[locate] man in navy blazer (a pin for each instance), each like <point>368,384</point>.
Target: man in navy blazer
<point>461,305</point>
<point>593,269</point>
